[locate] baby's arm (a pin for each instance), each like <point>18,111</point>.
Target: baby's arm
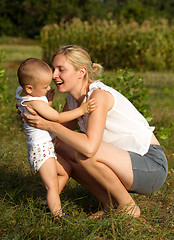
<point>44,110</point>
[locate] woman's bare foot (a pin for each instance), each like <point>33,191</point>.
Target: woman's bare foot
<point>131,209</point>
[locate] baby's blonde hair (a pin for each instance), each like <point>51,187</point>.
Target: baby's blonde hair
<point>79,57</point>
<point>28,70</point>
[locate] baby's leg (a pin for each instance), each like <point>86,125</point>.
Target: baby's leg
<point>48,173</point>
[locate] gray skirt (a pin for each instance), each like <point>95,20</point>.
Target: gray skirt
<point>149,171</point>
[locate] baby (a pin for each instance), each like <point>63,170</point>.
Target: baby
<point>35,77</point>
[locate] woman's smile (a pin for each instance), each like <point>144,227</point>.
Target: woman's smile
<point>58,82</point>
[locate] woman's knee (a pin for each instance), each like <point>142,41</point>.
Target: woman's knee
<point>66,152</point>
<point>84,161</point>
<point>64,168</point>
<point>80,158</point>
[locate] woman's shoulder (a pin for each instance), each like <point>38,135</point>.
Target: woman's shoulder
<point>100,85</point>
<point>96,84</point>
<point>100,88</point>
<point>103,95</point>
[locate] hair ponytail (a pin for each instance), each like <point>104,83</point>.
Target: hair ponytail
<point>97,69</point>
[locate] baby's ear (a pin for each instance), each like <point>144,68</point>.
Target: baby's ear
<point>28,88</point>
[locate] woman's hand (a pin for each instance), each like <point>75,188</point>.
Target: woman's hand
<point>19,112</point>
<point>35,120</point>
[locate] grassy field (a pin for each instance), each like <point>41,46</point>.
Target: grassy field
<point>22,214</point>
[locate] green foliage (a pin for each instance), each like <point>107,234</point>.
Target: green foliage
<point>4,100</point>
<point>8,107</point>
<point>132,88</point>
<point>164,134</point>
<point>148,46</point>
<point>27,17</point>
<point>134,10</point>
<point>22,215</point>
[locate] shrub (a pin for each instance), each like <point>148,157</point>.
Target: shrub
<point>132,88</point>
<point>148,46</point>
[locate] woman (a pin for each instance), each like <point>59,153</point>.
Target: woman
<point>117,152</point>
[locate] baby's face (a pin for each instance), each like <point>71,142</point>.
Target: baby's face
<point>42,86</point>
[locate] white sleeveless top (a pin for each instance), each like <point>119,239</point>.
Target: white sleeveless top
<point>34,135</point>
<point>125,127</point>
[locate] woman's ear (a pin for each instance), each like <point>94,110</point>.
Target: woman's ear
<point>29,89</point>
<point>82,72</point>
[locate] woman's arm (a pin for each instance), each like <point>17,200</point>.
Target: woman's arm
<point>88,143</point>
<point>44,110</point>
<point>70,124</point>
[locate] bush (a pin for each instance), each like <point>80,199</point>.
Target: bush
<point>148,46</point>
<point>132,88</point>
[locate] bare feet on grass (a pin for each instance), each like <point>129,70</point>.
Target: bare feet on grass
<point>132,210</point>
<point>97,215</point>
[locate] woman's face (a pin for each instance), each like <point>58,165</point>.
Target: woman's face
<point>65,76</point>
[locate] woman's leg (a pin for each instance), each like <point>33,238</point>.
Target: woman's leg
<point>111,167</point>
<point>79,174</point>
<point>63,172</point>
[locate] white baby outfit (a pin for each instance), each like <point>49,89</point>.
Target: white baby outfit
<point>125,127</point>
<point>39,142</point>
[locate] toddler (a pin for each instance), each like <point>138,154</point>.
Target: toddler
<point>35,77</point>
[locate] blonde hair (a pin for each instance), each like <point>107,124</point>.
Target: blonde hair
<point>79,57</point>
<point>28,70</point>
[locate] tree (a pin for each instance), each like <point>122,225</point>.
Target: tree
<point>27,17</point>
<point>134,9</point>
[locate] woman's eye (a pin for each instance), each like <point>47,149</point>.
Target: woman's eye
<point>61,69</point>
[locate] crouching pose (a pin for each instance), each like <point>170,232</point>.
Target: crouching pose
<point>116,151</point>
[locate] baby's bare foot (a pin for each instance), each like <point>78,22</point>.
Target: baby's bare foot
<point>96,215</point>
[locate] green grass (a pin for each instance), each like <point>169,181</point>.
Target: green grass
<point>22,215</point>
<point>161,99</point>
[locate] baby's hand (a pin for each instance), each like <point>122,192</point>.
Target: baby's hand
<point>50,95</point>
<point>89,106</point>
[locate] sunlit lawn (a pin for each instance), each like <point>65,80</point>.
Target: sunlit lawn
<point>22,215</point>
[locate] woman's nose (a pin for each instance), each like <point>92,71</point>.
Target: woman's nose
<point>55,74</point>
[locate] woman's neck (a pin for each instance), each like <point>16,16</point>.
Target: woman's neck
<point>80,93</point>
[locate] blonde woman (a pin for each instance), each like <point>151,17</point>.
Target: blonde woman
<point>116,152</point>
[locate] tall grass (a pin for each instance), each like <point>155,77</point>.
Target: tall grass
<point>146,46</point>
<point>22,213</point>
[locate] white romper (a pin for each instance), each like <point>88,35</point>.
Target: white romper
<point>125,127</point>
<point>39,142</point>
